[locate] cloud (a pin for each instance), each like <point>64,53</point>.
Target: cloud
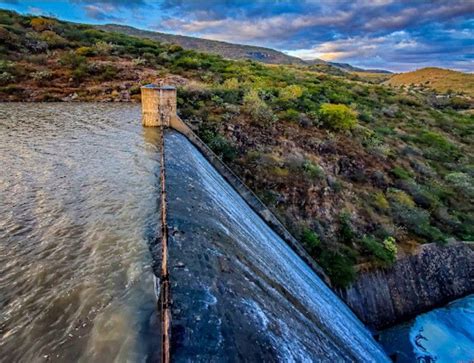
<point>114,3</point>
<point>364,31</point>
<point>102,13</point>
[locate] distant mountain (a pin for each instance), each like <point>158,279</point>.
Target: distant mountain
<point>345,66</point>
<point>226,50</point>
<point>439,79</point>
<point>349,68</point>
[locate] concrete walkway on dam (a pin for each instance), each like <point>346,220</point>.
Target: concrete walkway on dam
<point>238,291</point>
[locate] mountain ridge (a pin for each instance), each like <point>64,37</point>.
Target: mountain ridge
<point>230,50</point>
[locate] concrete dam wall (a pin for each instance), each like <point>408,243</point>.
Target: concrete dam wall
<point>238,291</point>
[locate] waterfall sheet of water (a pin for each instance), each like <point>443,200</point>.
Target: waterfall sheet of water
<point>78,206</point>
<point>239,292</point>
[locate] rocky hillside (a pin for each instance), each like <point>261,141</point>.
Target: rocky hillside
<point>438,79</point>
<point>224,49</point>
<point>360,173</point>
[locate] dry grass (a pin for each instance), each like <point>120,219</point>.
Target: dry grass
<point>441,80</point>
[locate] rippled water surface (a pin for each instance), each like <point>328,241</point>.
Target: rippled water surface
<point>78,203</point>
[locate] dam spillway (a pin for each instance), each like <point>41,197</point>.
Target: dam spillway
<point>239,292</point>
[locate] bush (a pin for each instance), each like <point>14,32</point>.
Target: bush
<point>313,170</point>
<point>42,24</point>
<point>438,147</point>
<point>337,116</point>
<point>86,51</point>
<point>255,107</point>
<point>463,182</point>
<point>400,197</point>
<point>108,72</point>
<point>5,78</point>
<point>346,233</point>
<point>384,252</point>
<point>417,221</point>
<point>231,84</point>
<point>380,202</point>
<point>80,72</point>
<point>310,240</point>
<point>188,63</point>
<point>72,60</point>
<point>104,48</point>
<point>219,145</point>
<point>53,40</point>
<point>401,173</point>
<point>42,75</point>
<point>290,93</point>
<point>338,266</point>
<point>290,115</point>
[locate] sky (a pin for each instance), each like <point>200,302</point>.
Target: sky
<point>395,35</point>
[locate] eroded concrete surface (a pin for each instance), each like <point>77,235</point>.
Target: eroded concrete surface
<point>239,293</point>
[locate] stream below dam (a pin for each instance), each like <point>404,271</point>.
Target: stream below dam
<point>79,214</point>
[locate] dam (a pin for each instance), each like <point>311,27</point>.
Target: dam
<point>236,290</point>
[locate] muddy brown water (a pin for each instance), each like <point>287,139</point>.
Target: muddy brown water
<point>78,206</point>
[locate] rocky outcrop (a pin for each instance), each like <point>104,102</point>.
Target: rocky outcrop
<point>431,277</point>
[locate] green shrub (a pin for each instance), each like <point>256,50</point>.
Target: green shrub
<point>346,232</point>
<point>290,115</point>
<point>400,197</point>
<point>313,170</point>
<point>231,84</point>
<point>380,202</point>
<point>103,48</point>
<point>42,75</point>
<point>6,78</point>
<point>108,72</point>
<point>53,40</point>
<point>290,93</point>
<point>255,107</point>
<point>338,266</point>
<point>337,116</point>
<point>437,146</point>
<point>219,145</point>
<point>384,252</point>
<point>86,51</point>
<point>310,240</point>
<point>401,173</point>
<point>81,72</point>
<point>463,182</point>
<point>417,221</point>
<point>72,60</point>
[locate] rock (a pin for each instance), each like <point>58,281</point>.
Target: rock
<point>354,169</point>
<point>379,180</point>
<point>432,277</point>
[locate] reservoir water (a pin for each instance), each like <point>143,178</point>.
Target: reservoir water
<point>78,204</point>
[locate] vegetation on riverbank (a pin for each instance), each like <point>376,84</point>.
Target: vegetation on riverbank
<point>359,171</point>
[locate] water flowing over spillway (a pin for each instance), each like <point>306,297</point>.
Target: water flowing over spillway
<point>239,292</point>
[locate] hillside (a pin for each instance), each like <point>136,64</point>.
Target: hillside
<point>224,49</point>
<point>439,79</point>
<point>361,173</point>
